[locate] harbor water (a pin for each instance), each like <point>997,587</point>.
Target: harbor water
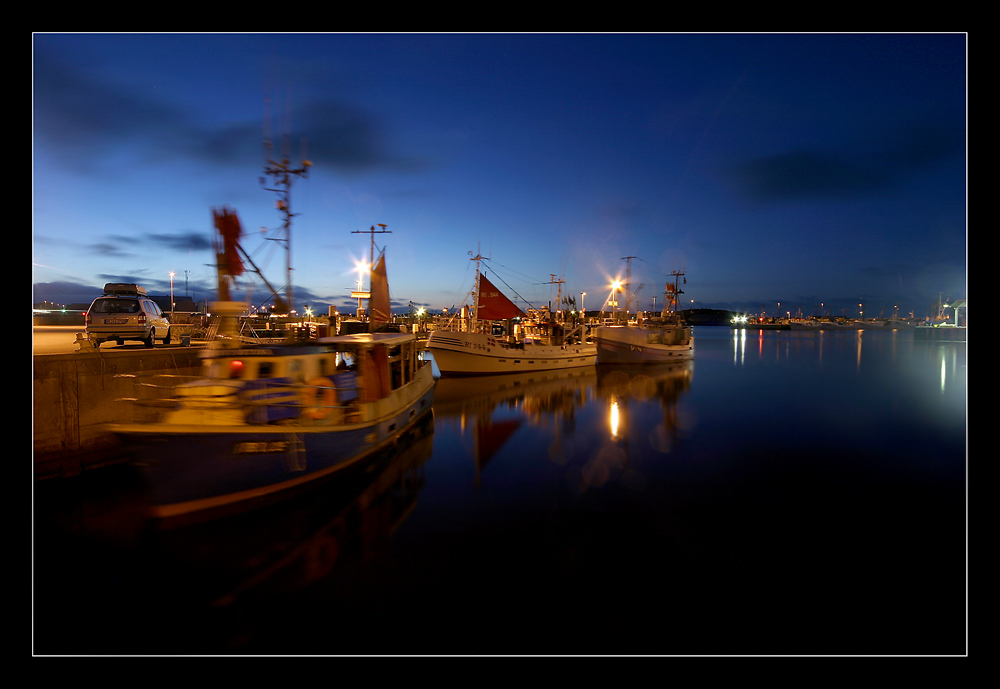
<point>785,493</point>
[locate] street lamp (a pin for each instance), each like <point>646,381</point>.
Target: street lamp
<point>171,296</point>
<point>583,306</point>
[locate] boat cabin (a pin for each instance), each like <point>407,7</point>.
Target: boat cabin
<point>279,382</point>
<point>386,361</point>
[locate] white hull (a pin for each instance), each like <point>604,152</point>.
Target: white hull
<point>624,345</point>
<point>476,354</point>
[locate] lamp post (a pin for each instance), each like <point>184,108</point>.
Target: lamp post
<point>171,296</point>
<point>583,306</point>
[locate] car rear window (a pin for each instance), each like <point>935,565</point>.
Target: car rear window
<point>115,306</point>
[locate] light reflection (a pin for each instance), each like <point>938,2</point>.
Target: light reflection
<point>943,372</point>
<point>614,419</point>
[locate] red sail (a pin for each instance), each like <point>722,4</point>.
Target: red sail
<point>379,302</point>
<point>229,228</point>
<point>493,305</point>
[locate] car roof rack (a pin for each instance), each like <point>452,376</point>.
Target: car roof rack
<point>129,288</point>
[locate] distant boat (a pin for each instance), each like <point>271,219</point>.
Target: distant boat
<point>658,340</point>
<point>262,420</point>
<point>498,337</point>
<point>862,324</point>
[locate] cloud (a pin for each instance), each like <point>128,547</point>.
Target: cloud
<point>82,119</point>
<point>121,246</point>
<point>863,171</point>
<point>183,241</point>
<point>342,136</point>
<point>65,292</point>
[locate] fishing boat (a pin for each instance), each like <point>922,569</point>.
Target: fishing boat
<point>261,420</point>
<point>266,419</point>
<point>498,337</point>
<point>656,340</point>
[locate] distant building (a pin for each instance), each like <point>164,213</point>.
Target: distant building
<point>183,304</point>
<point>49,313</point>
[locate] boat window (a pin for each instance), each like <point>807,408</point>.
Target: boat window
<point>265,369</point>
<point>295,371</point>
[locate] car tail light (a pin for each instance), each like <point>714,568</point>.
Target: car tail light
<point>142,318</point>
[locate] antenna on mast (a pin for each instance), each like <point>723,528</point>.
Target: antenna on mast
<point>475,288</point>
<point>372,231</point>
<point>282,175</point>
<point>361,293</point>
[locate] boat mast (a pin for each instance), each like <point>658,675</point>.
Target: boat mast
<point>672,293</point>
<point>371,263</point>
<point>628,283</point>
<point>474,324</point>
<point>282,177</point>
<point>372,231</point>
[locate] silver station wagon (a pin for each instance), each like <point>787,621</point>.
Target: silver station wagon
<point>123,313</point>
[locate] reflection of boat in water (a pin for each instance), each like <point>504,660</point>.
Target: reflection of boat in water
<point>264,419</point>
<point>227,585</point>
<point>657,340</point>
<point>343,521</point>
<point>458,396</point>
<point>544,397</point>
<point>664,383</point>
<point>490,342</point>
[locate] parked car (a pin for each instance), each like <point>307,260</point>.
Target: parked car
<point>124,312</point>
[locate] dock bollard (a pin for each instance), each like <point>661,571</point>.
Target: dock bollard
<point>84,343</point>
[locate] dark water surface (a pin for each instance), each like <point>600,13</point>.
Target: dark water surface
<point>785,493</point>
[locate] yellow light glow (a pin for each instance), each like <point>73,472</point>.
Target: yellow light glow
<point>614,419</point>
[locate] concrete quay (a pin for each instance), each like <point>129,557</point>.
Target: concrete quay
<point>75,395</point>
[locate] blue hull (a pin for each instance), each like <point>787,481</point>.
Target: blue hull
<point>196,471</point>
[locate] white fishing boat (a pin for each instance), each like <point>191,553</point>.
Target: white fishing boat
<point>262,420</point>
<point>656,340</point>
<point>498,337</point>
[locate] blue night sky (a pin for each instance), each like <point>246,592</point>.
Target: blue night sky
<point>793,168</point>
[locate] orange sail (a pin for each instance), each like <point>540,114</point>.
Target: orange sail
<point>379,302</point>
<point>493,305</point>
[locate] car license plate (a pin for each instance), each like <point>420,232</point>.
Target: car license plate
<point>114,321</point>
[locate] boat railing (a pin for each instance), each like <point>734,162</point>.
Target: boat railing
<point>261,401</point>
